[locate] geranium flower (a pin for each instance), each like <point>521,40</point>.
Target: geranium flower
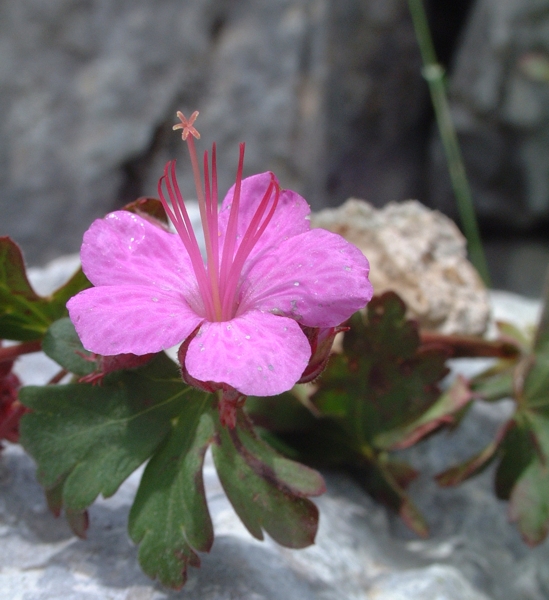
<point>240,313</point>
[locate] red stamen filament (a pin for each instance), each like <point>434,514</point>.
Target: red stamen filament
<point>218,286</point>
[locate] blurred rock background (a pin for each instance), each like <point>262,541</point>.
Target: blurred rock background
<point>326,93</point>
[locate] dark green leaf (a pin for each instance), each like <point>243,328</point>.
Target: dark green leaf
<point>518,451</point>
<point>62,344</point>
<point>493,385</point>
<point>529,502</point>
<point>95,437</point>
<point>474,465</point>
<point>384,380</point>
<point>387,480</point>
<point>267,491</point>
<point>170,518</point>
<point>442,412</point>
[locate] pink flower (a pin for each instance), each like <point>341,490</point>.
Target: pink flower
<point>241,312</point>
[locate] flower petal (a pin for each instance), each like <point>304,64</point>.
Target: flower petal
<point>289,219</point>
<point>137,319</point>
<point>125,249</point>
<point>317,278</point>
<point>256,353</point>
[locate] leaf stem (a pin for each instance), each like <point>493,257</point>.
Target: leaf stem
<point>433,72</point>
<point>465,346</point>
<point>12,352</point>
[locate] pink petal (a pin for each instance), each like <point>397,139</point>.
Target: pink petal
<point>317,278</point>
<point>289,219</point>
<point>257,353</point>
<point>137,319</point>
<point>124,249</point>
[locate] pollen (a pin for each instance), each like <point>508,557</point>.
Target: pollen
<point>187,126</point>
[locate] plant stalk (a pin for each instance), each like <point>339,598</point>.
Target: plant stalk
<point>433,72</point>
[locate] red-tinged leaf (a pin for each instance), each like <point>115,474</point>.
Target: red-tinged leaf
<point>518,450</point>
<point>24,315</point>
<point>169,518</point>
<point>150,209</point>
<point>268,492</point>
<point>78,521</point>
<point>474,465</point>
<point>413,518</point>
<point>387,480</point>
<point>54,498</point>
<point>384,380</point>
<point>443,412</point>
<point>529,503</point>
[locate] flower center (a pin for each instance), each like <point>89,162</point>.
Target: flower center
<point>219,279</point>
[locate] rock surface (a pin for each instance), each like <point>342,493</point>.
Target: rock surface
<point>500,108</point>
<point>362,552</point>
<point>420,254</point>
<point>324,92</point>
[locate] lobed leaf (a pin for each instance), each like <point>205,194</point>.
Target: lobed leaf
<point>442,412</point>
<point>24,315</point>
<point>62,344</point>
<point>268,492</point>
<point>170,518</point>
<point>95,437</point>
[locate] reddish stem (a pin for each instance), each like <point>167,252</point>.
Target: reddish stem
<point>6,427</point>
<point>463,346</point>
<point>58,377</point>
<point>12,352</point>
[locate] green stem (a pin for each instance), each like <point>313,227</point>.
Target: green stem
<point>434,74</point>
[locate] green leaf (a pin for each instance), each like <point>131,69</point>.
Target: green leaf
<point>387,481</point>
<point>529,503</point>
<point>494,385</point>
<point>384,380</point>
<point>281,413</point>
<point>170,518</point>
<point>518,452</point>
<point>267,491</point>
<point>24,315</point>
<point>442,412</point>
<point>62,344</point>
<point>474,465</point>
<point>95,437</point>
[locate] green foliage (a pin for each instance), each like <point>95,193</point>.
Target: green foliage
<point>88,439</point>
<point>24,315</point>
<point>62,344</point>
<point>248,468</point>
<point>170,518</point>
<point>94,437</point>
<point>380,393</point>
<point>521,444</point>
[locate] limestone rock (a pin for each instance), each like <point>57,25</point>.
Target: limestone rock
<point>421,255</point>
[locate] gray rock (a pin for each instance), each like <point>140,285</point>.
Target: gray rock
<point>90,89</point>
<point>501,114</point>
<point>362,552</point>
